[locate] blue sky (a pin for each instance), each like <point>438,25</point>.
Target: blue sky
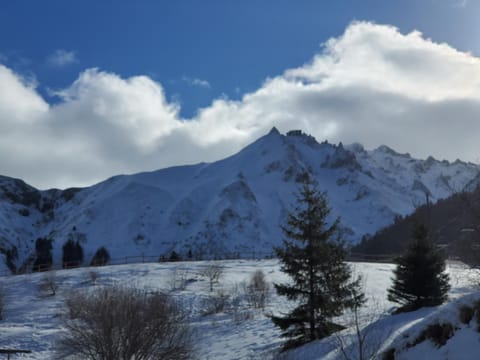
<point>139,85</point>
<point>231,45</point>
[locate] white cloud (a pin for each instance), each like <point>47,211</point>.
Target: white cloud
<point>61,58</point>
<point>196,82</point>
<point>19,102</point>
<point>371,85</point>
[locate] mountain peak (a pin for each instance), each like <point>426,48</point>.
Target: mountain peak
<point>274,131</point>
<point>389,151</point>
<point>386,149</point>
<point>235,205</point>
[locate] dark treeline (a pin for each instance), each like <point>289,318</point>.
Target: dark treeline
<point>453,224</point>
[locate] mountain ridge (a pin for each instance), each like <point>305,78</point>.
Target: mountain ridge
<point>232,206</point>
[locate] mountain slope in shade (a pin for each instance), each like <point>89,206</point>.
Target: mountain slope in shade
<point>233,206</point>
<point>452,223</point>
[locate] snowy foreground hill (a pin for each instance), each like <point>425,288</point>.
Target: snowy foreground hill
<point>229,208</point>
<point>32,319</point>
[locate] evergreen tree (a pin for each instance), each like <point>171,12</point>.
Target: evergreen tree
<point>43,254</point>
<point>419,278</point>
<point>72,250</point>
<point>313,256</point>
<point>101,257</point>
<point>72,254</point>
<point>174,256</point>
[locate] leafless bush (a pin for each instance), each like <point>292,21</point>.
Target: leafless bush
<point>465,314</point>
<point>213,273</point>
<point>236,308</point>
<point>366,340</point>
<point>257,290</point>
<point>178,279</point>
<point>49,284</point>
<point>215,303</point>
<point>93,276</point>
<point>365,336</point>
<point>242,315</point>
<point>231,301</point>
<point>124,323</point>
<point>73,303</point>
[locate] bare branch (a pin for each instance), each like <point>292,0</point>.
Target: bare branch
<point>122,323</point>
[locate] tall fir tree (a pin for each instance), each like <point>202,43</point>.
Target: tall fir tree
<point>313,255</point>
<point>419,278</point>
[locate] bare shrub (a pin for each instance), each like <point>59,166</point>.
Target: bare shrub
<point>231,301</point>
<point>436,333</point>
<point>236,308</point>
<point>366,340</point>
<point>242,315</point>
<point>213,273</point>
<point>124,323</point>
<point>73,303</point>
<point>215,303</point>
<point>178,279</point>
<point>366,335</point>
<point>389,354</point>
<point>257,290</point>
<point>49,284</point>
<point>93,276</point>
<point>465,314</point>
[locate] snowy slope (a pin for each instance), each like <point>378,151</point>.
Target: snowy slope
<point>33,321</point>
<point>231,207</point>
<point>428,333</point>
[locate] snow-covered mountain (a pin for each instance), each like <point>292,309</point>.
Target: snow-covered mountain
<point>232,206</point>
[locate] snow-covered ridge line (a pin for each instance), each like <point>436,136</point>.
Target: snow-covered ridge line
<point>232,206</point>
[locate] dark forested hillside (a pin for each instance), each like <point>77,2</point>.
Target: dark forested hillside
<point>454,224</point>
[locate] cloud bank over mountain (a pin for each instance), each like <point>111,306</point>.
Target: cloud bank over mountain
<point>371,85</point>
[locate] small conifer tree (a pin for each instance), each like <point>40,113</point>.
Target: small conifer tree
<point>174,256</point>
<point>43,254</point>
<point>101,257</point>
<point>72,254</point>
<point>313,256</point>
<point>419,278</point>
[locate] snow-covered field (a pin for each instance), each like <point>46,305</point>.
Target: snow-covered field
<point>32,320</point>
